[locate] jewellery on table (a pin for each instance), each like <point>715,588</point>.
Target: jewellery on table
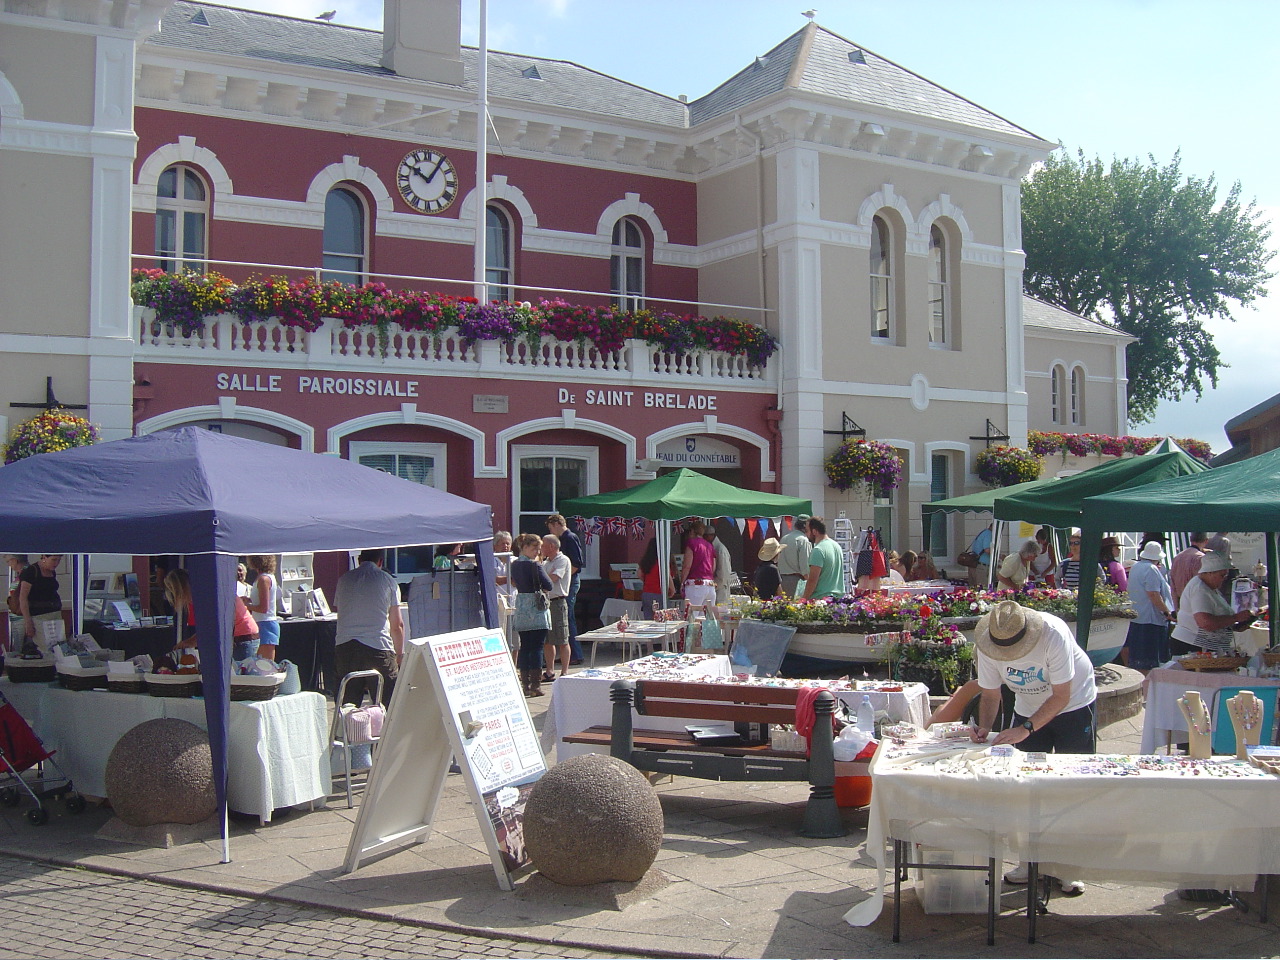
<point>1196,721</point>
<point>1248,711</point>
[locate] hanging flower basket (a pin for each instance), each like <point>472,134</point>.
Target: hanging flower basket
<point>1004,466</point>
<point>868,462</point>
<point>50,431</point>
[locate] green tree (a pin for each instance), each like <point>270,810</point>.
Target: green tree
<point>1139,246</point>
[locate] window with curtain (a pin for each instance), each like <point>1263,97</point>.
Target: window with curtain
<point>544,482</point>
<point>626,265</point>
<point>940,489</point>
<point>939,288</point>
<point>182,219</point>
<point>344,237</point>
<point>416,467</point>
<point>881,280</point>
<point>499,257</point>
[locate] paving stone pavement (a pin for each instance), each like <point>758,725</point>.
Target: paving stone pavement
<point>53,911</point>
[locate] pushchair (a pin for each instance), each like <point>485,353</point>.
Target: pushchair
<point>20,750</point>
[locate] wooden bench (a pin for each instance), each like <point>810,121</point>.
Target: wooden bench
<point>677,752</point>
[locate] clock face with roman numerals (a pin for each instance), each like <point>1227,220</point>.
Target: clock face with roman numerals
<point>427,181</point>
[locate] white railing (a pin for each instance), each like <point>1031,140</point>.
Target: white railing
<point>226,339</point>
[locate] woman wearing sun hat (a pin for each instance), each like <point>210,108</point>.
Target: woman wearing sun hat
<point>1035,656</point>
<point>766,579</point>
<point>1205,618</point>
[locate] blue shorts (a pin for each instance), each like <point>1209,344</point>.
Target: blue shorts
<point>1148,645</point>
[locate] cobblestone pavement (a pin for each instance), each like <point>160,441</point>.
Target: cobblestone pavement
<point>52,911</point>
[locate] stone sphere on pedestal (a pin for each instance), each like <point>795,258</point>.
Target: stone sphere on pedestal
<point>593,819</point>
<point>161,771</point>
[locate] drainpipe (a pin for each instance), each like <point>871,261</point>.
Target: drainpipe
<point>774,416</point>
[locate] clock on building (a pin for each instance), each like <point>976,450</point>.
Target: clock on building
<point>427,181</point>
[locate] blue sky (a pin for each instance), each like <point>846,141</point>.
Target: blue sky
<point>1114,77</point>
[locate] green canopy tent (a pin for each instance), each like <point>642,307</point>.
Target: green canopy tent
<point>984,501</point>
<point>675,496</point>
<point>1244,495</point>
<point>1061,506</point>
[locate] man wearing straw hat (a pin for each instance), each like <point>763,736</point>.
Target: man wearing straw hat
<point>1035,656</point>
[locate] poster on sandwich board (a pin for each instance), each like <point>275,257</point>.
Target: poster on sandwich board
<point>457,696</point>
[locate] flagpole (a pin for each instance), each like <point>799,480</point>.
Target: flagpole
<point>482,154</point>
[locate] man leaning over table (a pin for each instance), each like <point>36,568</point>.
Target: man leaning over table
<point>1051,676</point>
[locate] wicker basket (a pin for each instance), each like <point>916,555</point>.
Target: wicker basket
<point>255,688</point>
<point>176,685</point>
<point>31,671</point>
<point>121,684</point>
<point>1270,658</point>
<point>83,678</point>
<point>1201,662</point>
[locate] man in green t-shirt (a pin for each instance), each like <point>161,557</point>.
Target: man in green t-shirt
<point>826,564</point>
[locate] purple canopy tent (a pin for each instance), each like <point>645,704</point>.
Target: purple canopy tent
<point>213,498</point>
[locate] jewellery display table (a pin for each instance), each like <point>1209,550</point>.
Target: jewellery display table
<point>277,752</point>
<point>1074,818</point>
<point>581,701</point>
<point>1163,723</point>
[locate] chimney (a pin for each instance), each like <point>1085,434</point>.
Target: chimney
<point>421,39</point>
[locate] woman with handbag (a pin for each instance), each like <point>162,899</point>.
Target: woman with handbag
<point>532,617</point>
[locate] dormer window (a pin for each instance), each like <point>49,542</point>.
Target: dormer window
<point>531,73</point>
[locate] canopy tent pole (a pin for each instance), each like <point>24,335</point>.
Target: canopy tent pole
<point>488,585</point>
<point>662,534</point>
<point>79,577</point>
<point>213,592</point>
<point>1273,601</point>
<point>1090,546</point>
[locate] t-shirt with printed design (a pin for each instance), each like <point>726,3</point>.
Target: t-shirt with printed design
<point>1057,658</point>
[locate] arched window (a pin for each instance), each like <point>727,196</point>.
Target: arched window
<point>626,265</point>
<point>182,219</point>
<point>499,257</point>
<point>344,239</point>
<point>939,288</point>
<point>1057,394</point>
<point>1077,395</point>
<point>881,280</point>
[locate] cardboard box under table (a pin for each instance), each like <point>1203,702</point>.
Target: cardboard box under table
<point>277,752</point>
<point>1074,819</point>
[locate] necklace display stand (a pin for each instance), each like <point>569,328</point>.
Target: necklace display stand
<point>1199,729</point>
<point>1245,710</point>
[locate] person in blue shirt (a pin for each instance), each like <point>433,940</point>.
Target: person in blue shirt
<point>980,575</point>
<point>1148,642</point>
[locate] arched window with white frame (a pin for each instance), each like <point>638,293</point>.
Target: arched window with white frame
<point>1077,395</point>
<point>423,463</point>
<point>939,288</point>
<point>499,254</point>
<point>344,241</point>
<point>182,219</point>
<point>626,265</point>
<point>1057,394</point>
<point>882,280</point>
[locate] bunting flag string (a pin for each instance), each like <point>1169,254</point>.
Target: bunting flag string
<point>751,528</point>
<point>764,527</point>
<point>637,526</point>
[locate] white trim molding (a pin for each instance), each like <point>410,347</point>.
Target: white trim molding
<point>568,420</point>
<point>10,103</point>
<point>409,414</point>
<point>227,409</point>
<point>711,426</point>
<point>500,189</point>
<point>630,206</point>
<point>185,150</point>
<point>349,170</point>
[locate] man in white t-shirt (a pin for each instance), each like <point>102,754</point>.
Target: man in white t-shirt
<point>1035,656</point>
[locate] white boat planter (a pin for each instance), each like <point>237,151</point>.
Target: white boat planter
<point>1107,632</point>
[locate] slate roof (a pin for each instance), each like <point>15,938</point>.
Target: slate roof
<point>816,60</point>
<point>314,43</point>
<point>1046,316</point>
<point>813,60</point>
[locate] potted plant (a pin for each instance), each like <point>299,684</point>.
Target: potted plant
<point>1005,466</point>
<point>55,429</point>
<point>931,652</point>
<point>868,462</point>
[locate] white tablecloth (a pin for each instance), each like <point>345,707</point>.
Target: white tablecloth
<point>1163,722</point>
<point>277,753</point>
<point>1156,828</point>
<point>582,701</point>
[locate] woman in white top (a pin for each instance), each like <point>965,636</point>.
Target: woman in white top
<point>1205,618</point>
<point>263,601</point>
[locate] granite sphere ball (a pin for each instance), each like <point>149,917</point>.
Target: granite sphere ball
<point>593,819</point>
<point>161,771</point>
